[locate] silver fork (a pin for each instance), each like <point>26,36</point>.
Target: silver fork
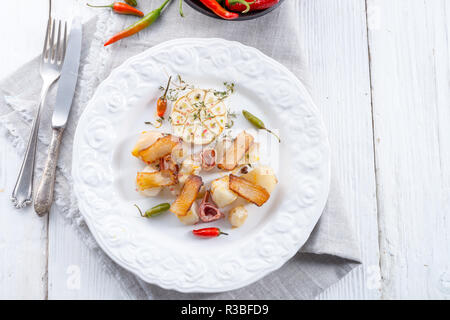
<point>51,63</point>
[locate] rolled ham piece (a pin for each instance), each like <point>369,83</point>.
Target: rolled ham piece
<point>208,210</point>
<point>208,158</point>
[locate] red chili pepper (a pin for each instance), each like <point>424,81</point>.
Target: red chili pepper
<point>208,233</point>
<point>215,7</point>
<point>147,20</point>
<point>246,6</point>
<point>122,8</point>
<point>161,104</point>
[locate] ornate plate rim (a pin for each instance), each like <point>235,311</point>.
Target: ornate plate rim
<point>318,206</point>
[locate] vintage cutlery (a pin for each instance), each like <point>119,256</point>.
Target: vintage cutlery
<point>66,90</point>
<point>51,64</point>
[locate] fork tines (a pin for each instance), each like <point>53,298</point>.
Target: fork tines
<point>55,48</point>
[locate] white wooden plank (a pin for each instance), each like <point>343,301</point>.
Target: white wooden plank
<point>410,50</point>
<point>23,238</point>
<point>25,40</point>
<point>336,41</point>
<point>23,235</point>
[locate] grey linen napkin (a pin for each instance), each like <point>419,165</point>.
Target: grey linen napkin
<point>331,251</point>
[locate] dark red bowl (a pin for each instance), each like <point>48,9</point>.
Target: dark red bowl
<point>197,5</point>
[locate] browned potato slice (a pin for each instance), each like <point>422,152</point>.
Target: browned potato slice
<point>188,194</point>
<point>248,190</point>
<point>147,180</point>
<point>146,139</point>
<point>236,151</point>
<point>161,148</point>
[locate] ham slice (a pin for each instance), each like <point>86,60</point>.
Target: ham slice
<point>167,163</point>
<point>208,210</point>
<point>208,158</point>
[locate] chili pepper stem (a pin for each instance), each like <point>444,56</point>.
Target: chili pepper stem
<point>140,211</point>
<point>167,88</point>
<point>105,6</point>
<point>163,5</point>
<point>279,140</point>
<point>226,234</point>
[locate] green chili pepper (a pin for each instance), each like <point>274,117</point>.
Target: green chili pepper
<point>258,123</point>
<point>131,2</point>
<point>155,211</point>
<point>147,20</point>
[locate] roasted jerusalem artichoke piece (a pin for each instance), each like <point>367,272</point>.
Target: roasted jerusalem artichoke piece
<point>248,190</point>
<point>221,193</point>
<point>146,139</point>
<point>190,166</point>
<point>147,180</point>
<point>188,194</point>
<point>232,155</point>
<point>237,216</point>
<point>161,148</point>
<point>262,176</point>
<point>191,216</point>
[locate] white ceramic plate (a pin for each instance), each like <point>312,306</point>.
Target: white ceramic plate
<point>162,250</point>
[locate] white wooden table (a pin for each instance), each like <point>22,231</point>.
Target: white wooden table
<point>381,74</point>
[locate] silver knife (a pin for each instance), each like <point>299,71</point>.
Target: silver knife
<point>66,90</point>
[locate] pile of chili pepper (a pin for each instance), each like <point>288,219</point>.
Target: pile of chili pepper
<point>245,6</point>
<point>224,8</point>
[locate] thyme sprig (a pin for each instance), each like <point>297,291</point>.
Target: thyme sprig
<point>229,90</point>
<point>231,115</point>
<point>159,121</point>
<point>179,86</point>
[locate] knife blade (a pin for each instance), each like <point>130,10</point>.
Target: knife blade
<point>69,76</point>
